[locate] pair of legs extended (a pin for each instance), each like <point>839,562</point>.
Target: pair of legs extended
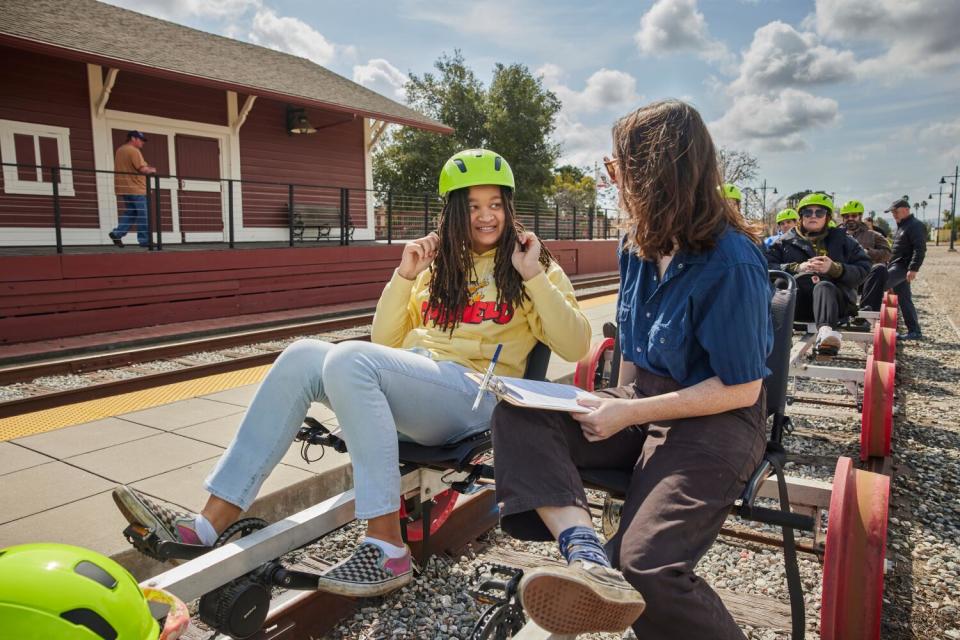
<point>882,278</point>
<point>376,392</point>
<point>686,474</point>
<point>825,303</point>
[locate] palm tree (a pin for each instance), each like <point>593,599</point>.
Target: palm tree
<point>923,205</point>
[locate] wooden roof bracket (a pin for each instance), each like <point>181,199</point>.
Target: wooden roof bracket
<point>244,112</point>
<point>105,92</point>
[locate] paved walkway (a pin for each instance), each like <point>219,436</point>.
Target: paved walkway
<point>56,485</point>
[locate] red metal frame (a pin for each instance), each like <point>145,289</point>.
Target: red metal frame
<point>853,559</point>
<point>444,504</point>
<point>585,374</point>
<point>888,316</point>
<point>876,426</point>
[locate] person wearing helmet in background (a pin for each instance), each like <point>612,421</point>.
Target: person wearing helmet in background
<point>787,219</point>
<point>829,266</point>
<point>54,591</point>
<point>876,246</point>
<point>732,193</point>
<point>479,281</point>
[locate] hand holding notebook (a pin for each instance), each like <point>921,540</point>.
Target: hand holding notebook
<point>535,394</point>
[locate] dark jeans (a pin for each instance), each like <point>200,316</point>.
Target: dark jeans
<point>135,212</point>
<point>685,475</point>
<point>894,277</point>
<point>823,302</point>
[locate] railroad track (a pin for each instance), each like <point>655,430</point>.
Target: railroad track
<point>187,367</point>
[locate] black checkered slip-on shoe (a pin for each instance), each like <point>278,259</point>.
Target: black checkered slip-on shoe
<point>165,521</point>
<point>581,598</point>
<point>367,573</point>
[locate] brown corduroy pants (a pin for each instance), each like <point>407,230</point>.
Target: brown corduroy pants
<point>685,475</point>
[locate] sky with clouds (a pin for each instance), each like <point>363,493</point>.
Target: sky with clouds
<point>857,97</point>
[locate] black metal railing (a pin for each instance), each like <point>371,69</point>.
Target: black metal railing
<point>72,203</point>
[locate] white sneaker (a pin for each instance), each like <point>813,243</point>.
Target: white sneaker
<point>828,341</point>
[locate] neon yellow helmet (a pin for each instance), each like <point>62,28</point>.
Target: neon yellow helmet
<point>820,199</point>
<point>50,590</point>
<point>475,167</point>
<point>831,224</point>
<point>851,207</point>
<point>787,214</point>
<point>731,192</point>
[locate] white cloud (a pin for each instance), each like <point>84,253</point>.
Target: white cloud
<point>774,122</point>
<point>381,76</point>
<point>676,26</point>
<point>582,146</point>
<point>605,89</point>
<point>178,10</point>
<point>780,56</point>
<point>290,35</point>
<point>937,139</point>
<point>917,34</point>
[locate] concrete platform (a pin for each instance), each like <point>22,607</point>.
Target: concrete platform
<point>56,485</point>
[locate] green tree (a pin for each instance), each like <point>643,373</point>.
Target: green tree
<point>572,187</point>
<point>520,119</point>
<point>514,116</point>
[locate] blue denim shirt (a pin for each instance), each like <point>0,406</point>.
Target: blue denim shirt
<point>709,316</point>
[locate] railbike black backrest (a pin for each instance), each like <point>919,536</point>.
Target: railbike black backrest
<point>537,362</point>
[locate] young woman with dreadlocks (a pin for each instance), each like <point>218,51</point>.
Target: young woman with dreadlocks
<point>480,280</point>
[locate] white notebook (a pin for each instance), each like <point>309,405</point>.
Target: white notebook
<point>535,394</point>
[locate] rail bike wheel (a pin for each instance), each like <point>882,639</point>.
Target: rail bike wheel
<point>884,344</point>
<point>853,560</point>
<point>592,370</point>
<point>888,316</point>
<point>876,424</point>
<point>443,505</point>
<point>890,298</point>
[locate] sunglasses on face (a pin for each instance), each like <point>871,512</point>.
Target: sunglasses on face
<point>814,212</point>
<point>849,216</point>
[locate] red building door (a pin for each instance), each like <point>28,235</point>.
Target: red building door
<point>199,194</point>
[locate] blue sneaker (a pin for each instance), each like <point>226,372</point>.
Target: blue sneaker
<point>910,335</point>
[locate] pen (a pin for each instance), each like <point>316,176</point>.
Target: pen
<point>486,378</point>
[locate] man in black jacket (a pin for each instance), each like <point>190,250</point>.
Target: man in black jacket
<point>909,248</point>
<point>829,266</point>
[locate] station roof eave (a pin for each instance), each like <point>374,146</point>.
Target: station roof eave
<point>97,33</point>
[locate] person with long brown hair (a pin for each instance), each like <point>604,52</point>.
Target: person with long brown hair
<point>687,422</point>
<point>479,281</point>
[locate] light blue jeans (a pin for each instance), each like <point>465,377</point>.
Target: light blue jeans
<point>135,212</point>
<point>376,392</point>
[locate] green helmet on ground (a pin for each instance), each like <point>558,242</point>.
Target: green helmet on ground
<point>475,167</point>
<point>731,192</point>
<point>787,214</point>
<point>60,591</point>
<point>851,207</point>
<point>820,199</point>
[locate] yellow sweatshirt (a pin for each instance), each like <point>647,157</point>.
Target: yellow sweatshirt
<point>551,315</point>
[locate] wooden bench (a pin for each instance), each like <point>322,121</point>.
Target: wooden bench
<point>323,218</point>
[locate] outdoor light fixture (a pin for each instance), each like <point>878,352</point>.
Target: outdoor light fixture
<point>297,121</point>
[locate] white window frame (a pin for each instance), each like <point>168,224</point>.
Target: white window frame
<point>12,184</point>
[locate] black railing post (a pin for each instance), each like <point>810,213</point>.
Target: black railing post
<point>390,216</point>
<point>590,213</point>
<point>426,214</point>
<point>230,209</point>
<point>606,225</point>
<point>57,230</point>
<point>345,216</point>
<point>151,207</point>
<point>536,219</point>
<point>574,233</point>
<point>159,216</point>
<point>290,211</point>
<point>556,222</point>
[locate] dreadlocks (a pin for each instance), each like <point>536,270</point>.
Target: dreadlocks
<point>453,268</point>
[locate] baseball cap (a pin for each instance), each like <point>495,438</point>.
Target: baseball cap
<point>136,134</point>
<point>899,202</point>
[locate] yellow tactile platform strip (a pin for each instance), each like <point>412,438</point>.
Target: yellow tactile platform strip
<point>29,424</point>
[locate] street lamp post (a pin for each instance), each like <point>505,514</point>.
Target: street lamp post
<point>953,208</point>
